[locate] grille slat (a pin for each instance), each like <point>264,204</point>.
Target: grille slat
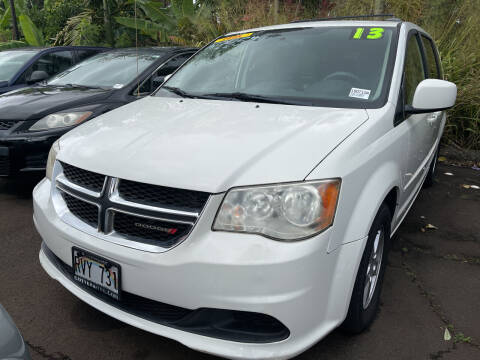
<point>4,165</point>
<point>36,161</point>
<point>90,180</point>
<point>161,196</point>
<point>6,124</point>
<point>81,209</point>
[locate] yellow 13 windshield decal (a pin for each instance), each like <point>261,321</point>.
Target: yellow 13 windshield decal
<point>368,33</point>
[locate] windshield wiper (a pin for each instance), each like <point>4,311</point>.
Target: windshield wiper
<point>248,98</point>
<point>76,86</point>
<point>178,91</point>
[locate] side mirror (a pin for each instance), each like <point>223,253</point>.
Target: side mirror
<point>3,84</point>
<point>432,95</point>
<point>37,76</point>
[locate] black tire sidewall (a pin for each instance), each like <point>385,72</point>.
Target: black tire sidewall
<point>358,318</point>
<point>429,179</point>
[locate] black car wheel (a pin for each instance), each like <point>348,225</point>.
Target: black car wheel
<point>429,180</point>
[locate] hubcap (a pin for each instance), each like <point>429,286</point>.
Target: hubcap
<point>373,268</point>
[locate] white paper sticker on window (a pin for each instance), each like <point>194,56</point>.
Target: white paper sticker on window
<point>118,86</point>
<point>359,93</point>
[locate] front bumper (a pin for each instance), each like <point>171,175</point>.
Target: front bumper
<point>297,283</point>
<point>24,152</point>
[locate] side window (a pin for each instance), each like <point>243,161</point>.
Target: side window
<point>169,67</point>
<point>52,63</point>
<point>173,64</point>
<point>433,68</point>
<point>85,54</point>
<point>414,71</point>
<point>145,88</point>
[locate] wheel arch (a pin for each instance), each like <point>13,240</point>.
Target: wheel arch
<point>381,186</point>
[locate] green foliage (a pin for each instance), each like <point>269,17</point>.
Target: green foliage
<point>55,14</point>
<point>461,338</point>
<point>12,44</point>
<point>6,18</point>
<point>181,23</point>
<point>147,27</point>
<point>33,36</point>
<point>5,35</point>
<point>80,30</point>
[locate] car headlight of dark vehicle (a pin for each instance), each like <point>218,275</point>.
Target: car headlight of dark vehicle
<point>60,120</point>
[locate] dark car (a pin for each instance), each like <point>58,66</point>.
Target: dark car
<point>26,66</point>
<point>31,119</point>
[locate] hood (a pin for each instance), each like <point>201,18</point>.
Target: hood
<point>34,103</point>
<point>208,145</point>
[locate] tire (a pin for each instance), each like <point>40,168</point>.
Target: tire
<point>429,180</point>
<point>364,304</point>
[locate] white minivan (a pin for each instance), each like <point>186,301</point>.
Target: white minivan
<point>246,208</point>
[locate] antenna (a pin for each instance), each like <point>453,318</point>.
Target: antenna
<point>136,48</point>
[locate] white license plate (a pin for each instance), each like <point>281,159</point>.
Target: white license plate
<point>96,272</point>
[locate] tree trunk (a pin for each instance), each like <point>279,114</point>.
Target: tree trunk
<point>379,7</point>
<point>16,34</point>
<point>275,11</point>
<point>107,23</point>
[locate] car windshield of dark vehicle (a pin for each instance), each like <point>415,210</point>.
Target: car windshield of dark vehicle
<point>12,61</point>
<point>106,70</point>
<point>347,66</point>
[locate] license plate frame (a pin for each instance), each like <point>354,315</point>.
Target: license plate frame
<point>99,261</point>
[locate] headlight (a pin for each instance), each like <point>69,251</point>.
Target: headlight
<point>283,212</point>
<point>52,156</point>
<point>60,120</point>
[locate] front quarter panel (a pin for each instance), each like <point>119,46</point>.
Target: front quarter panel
<point>369,163</point>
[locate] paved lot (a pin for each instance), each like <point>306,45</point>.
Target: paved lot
<point>433,281</point>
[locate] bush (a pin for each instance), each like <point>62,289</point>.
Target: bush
<point>53,17</point>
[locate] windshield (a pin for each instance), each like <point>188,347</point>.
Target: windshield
<point>322,66</point>
<point>12,61</point>
<point>106,70</point>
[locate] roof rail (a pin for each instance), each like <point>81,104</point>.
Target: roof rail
<point>391,18</point>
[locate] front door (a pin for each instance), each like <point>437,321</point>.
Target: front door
<point>420,130</point>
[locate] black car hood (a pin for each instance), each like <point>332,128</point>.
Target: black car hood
<point>36,102</point>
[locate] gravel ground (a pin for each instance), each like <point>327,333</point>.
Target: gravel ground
<point>432,282</point>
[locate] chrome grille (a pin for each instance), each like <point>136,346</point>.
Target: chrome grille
<point>85,178</point>
<point>6,124</point>
<point>93,203</point>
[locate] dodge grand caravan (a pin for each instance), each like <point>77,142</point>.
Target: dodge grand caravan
<point>246,209</point>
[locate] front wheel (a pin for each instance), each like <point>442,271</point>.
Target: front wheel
<point>429,179</point>
<point>368,284</point>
